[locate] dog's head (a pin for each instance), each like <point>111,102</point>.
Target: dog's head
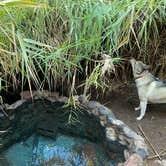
<point>138,67</point>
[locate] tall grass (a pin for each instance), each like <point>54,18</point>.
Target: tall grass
<point>65,42</point>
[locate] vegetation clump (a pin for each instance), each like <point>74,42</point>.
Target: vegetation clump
<point>77,43</point>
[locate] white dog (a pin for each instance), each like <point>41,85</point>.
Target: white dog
<point>150,89</point>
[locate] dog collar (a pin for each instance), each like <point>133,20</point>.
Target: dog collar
<point>141,75</point>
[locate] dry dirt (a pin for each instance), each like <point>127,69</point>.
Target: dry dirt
<point>122,102</point>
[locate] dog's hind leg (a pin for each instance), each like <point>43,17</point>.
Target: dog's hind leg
<point>143,105</point>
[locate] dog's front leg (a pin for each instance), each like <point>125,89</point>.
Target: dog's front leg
<point>143,105</point>
<point>137,108</point>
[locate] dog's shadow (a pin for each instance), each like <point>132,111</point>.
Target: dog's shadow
<point>157,107</point>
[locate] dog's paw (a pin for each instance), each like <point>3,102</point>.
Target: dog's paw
<point>139,118</point>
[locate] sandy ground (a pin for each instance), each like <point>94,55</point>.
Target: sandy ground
<point>122,102</point>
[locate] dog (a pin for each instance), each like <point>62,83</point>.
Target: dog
<point>150,89</point>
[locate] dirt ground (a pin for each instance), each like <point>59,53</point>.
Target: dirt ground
<point>122,102</point>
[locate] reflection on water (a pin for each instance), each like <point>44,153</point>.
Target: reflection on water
<point>64,151</point>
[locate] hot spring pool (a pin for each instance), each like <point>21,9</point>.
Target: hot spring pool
<point>63,151</point>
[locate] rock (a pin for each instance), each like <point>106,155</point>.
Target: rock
<point>1,115</point>
<point>26,95</point>
<point>95,112</point>
<point>93,104</point>
<point>52,96</point>
<point>111,115</point>
<point>134,160</point>
<point>131,134</point>
<point>83,100</point>
<point>156,163</point>
<point>110,134</point>
<point>126,154</point>
<point>63,99</point>
<point>118,123</point>
<point>163,162</point>
<point>102,110</point>
<point>16,104</point>
<point>141,148</point>
<point>123,140</point>
<point>105,111</point>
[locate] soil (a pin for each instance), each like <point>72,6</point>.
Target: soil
<point>122,102</point>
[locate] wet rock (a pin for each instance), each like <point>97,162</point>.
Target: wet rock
<point>47,129</point>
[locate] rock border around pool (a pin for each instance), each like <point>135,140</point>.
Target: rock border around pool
<point>115,129</point>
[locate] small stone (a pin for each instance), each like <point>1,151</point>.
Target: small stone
<point>134,160</point>
<point>110,134</point>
